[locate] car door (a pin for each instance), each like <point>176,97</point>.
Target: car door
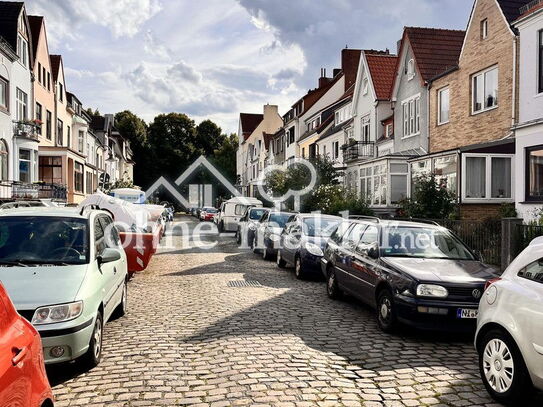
<point>346,256</point>
<point>15,357</point>
<point>120,266</point>
<point>108,271</point>
<point>364,268</point>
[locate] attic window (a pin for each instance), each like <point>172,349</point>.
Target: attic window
<point>411,69</point>
<point>484,29</point>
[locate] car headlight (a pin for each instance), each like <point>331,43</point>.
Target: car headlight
<point>314,249</point>
<point>431,290</point>
<point>57,313</point>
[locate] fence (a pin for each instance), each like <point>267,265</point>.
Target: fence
<point>524,234</point>
<point>483,237</point>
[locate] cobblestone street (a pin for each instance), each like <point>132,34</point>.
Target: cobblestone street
<point>195,336</point>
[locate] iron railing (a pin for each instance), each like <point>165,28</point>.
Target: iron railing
<point>524,234</point>
<point>358,150</point>
<point>530,6</point>
<point>39,190</point>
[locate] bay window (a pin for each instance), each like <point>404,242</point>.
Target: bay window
<point>487,177</point>
<point>534,173</point>
<point>485,90</point>
<point>25,164</point>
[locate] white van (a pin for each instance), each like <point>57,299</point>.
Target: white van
<point>232,210</point>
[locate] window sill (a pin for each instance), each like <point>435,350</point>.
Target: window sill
<point>535,202</point>
<point>442,124</point>
<point>487,200</point>
<point>484,110</point>
<point>411,136</point>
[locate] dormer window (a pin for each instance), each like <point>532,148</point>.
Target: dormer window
<point>365,86</point>
<point>484,29</point>
<point>411,69</point>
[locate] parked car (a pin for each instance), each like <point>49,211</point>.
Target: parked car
<point>509,336</point>
<point>268,232</point>
<point>303,240</point>
<point>23,381</point>
<point>413,273</point>
<point>67,274</point>
<point>232,210</point>
<point>248,224</point>
<point>207,214</point>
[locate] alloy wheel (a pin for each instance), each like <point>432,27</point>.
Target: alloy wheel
<point>97,336</point>
<point>498,365</point>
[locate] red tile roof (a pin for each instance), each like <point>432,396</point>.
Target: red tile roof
<point>382,69</point>
<point>35,23</point>
<point>55,65</point>
<point>249,122</point>
<point>435,50</point>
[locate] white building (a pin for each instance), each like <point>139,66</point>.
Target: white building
<point>529,131</point>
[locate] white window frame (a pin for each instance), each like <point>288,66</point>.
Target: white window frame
<point>488,178</point>
<point>439,100</point>
<point>410,69</point>
<point>472,98</point>
<point>365,86</point>
<point>365,125</point>
<point>411,120</point>
<point>22,105</point>
<point>484,29</point>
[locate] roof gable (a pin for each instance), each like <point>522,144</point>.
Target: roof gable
<point>35,23</point>
<point>381,69</point>
<point>249,122</point>
<point>56,61</point>
<point>9,18</point>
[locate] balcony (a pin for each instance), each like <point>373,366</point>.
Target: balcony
<point>358,150</point>
<point>41,190</point>
<point>26,129</point>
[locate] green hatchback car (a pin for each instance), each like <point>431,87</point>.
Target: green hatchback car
<point>66,272</point>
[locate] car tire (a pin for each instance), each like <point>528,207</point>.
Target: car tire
<point>221,227</point>
<point>121,309</point>
<point>498,348</point>
<point>93,356</point>
<point>299,271</point>
<point>332,287</point>
<point>238,237</point>
<point>279,261</point>
<point>386,311</point>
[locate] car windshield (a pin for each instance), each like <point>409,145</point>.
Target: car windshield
<point>256,214</point>
<point>279,219</point>
<point>420,242</point>
<point>43,240</point>
<point>320,227</point>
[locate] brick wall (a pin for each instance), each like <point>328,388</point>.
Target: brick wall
<point>479,211</point>
<point>478,54</point>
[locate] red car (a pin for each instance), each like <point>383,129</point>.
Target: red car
<point>207,214</point>
<point>23,382</point>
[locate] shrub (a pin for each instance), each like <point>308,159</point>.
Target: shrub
<point>429,200</point>
<point>507,210</point>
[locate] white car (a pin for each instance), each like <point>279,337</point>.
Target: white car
<point>509,336</point>
<point>231,212</point>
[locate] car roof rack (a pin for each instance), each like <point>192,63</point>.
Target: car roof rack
<point>364,217</point>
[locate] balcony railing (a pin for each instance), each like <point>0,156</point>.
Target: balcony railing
<point>26,129</point>
<point>39,190</point>
<point>358,150</point>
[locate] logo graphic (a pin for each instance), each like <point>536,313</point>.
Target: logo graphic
<point>476,293</point>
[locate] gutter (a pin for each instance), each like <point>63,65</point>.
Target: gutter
<point>514,99</point>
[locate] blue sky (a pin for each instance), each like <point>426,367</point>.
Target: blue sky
<point>215,58</point>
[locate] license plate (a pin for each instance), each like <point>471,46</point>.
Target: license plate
<point>467,313</point>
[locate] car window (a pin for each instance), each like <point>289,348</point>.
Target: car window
<point>256,214</point>
<point>111,233</point>
<point>533,271</point>
<point>320,226</point>
<point>99,237</point>
<point>351,239</point>
<point>340,231</point>
<point>369,237</point>
<point>265,217</point>
<point>279,219</point>
<point>240,209</point>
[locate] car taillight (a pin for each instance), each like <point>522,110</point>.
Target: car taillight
<point>490,282</point>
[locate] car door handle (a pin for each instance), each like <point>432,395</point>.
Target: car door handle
<point>114,270</point>
<point>19,355</point>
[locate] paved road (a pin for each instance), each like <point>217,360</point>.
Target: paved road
<point>192,336</point>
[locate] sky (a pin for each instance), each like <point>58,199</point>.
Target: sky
<point>213,59</point>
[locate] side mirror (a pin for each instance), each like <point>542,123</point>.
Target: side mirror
<point>109,255</point>
<point>373,252</point>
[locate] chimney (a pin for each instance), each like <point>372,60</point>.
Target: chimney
<point>323,80</point>
<point>270,111</point>
<point>350,59</point>
<point>336,72</point>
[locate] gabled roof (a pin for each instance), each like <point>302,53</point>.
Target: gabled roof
<point>382,70</point>
<point>55,65</point>
<point>249,122</point>
<point>314,95</point>
<point>9,16</point>
<point>435,50</point>
<point>511,8</point>
<point>529,9</point>
<point>35,23</point>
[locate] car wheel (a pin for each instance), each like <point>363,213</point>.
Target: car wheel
<point>238,237</point>
<point>298,268</point>
<point>386,311</point>
<point>121,309</point>
<point>221,227</point>
<point>94,353</point>
<point>503,369</point>
<point>280,262</point>
<point>332,287</point>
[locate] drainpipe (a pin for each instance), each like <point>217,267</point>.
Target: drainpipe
<point>428,118</point>
<point>514,98</point>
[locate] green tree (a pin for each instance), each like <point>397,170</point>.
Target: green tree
<point>209,137</point>
<point>429,200</point>
<point>224,157</point>
<point>134,129</point>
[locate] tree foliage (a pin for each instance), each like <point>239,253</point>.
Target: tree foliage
<point>429,200</point>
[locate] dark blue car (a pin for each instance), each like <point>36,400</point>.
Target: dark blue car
<point>303,240</point>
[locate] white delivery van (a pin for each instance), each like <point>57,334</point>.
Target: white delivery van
<point>232,210</point>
